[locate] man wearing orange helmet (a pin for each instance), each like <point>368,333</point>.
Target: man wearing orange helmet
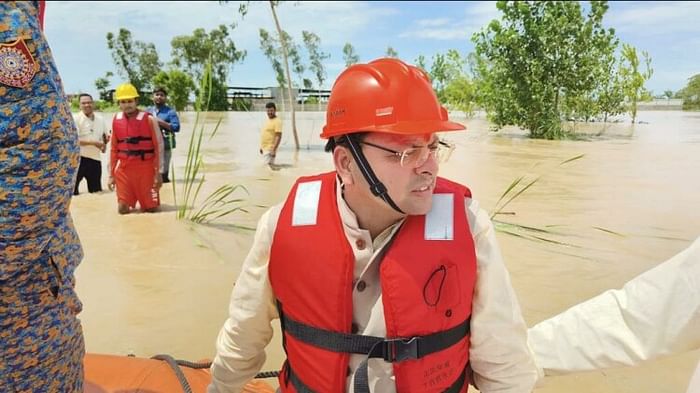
<point>136,154</point>
<point>405,289</point>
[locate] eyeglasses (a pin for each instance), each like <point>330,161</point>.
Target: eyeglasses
<point>413,157</point>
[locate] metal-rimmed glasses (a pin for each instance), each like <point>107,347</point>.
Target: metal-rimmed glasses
<point>413,157</point>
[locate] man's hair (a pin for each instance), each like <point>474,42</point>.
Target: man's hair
<point>81,95</point>
<point>271,105</point>
<point>160,89</point>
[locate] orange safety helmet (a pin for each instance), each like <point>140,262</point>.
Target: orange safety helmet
<point>386,95</point>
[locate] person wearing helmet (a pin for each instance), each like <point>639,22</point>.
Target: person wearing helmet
<point>385,277</point>
<point>136,154</point>
<point>41,338</point>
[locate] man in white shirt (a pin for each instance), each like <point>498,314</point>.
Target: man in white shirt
<point>385,277</point>
<point>93,134</point>
<point>655,314</point>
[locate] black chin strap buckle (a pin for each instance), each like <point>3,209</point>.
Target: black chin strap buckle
<point>377,189</point>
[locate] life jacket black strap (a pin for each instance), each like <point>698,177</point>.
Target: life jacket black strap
<point>140,153</point>
<point>391,350</point>
<point>134,139</point>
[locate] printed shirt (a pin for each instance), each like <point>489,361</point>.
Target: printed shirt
<point>499,355</point>
<point>93,130</point>
<point>267,135</point>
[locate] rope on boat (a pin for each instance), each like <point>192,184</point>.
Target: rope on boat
<point>175,366</point>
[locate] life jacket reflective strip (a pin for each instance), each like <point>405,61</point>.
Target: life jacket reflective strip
<point>134,136</point>
<point>420,296</point>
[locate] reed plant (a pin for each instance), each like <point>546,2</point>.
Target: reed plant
<point>223,201</point>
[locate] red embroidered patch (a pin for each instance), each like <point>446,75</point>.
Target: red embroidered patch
<point>17,65</point>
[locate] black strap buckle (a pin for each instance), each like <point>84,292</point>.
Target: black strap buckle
<point>399,349</point>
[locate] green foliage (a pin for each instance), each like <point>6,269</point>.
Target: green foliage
<point>101,84</point>
<point>214,50</point>
<point>691,93</point>
<point>349,55</point>
<point>212,93</point>
<point>633,79</point>
<point>316,56</point>
<point>179,86</point>
<point>451,81</point>
<point>272,50</point>
<point>137,61</point>
<point>391,52</point>
<point>420,63</point>
<point>293,51</point>
<point>542,61</point>
<point>241,104</point>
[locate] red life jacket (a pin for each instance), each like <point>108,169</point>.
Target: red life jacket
<point>133,136</point>
<point>427,275</point>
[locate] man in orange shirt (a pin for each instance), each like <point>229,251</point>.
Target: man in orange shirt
<point>136,154</point>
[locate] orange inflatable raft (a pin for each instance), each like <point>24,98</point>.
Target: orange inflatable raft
<point>161,374</point>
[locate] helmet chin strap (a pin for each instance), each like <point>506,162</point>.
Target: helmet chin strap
<point>377,187</point>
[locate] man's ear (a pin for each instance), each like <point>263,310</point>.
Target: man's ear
<point>342,159</point>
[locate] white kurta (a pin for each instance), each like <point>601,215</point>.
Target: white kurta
<point>499,355</point>
<point>655,314</point>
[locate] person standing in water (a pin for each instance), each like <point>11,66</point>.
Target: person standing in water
<point>136,155</point>
<point>41,339</point>
<point>169,125</point>
<point>94,136</point>
<point>271,135</point>
<point>404,289</point>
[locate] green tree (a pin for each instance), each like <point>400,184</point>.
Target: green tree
<point>632,78</point>
<point>668,94</point>
<point>691,93</point>
<point>349,55</point>
<point>101,84</point>
<point>179,86</point>
<point>421,63</point>
<point>450,78</point>
<point>136,61</point>
<point>540,59</point>
<point>272,52</point>
<point>391,52</point>
<point>316,56</point>
<point>192,52</point>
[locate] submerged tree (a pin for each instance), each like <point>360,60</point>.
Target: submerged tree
<point>633,78</point>
<point>539,60</point>
<point>691,93</point>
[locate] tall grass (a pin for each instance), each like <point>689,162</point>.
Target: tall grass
<point>225,200</point>
<point>515,190</point>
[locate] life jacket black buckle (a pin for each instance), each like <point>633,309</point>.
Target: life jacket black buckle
<point>400,349</point>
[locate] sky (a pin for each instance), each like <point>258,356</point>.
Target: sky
<point>76,31</point>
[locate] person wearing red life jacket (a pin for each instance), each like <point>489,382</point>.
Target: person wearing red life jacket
<point>405,289</point>
<point>136,154</point>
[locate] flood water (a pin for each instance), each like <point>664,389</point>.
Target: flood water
<point>151,284</point>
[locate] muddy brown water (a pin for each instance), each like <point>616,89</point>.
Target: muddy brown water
<point>151,284</point>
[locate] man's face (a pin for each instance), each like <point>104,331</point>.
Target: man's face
<point>411,187</point>
<point>159,98</point>
<point>86,105</point>
<point>128,106</point>
<point>271,113</point>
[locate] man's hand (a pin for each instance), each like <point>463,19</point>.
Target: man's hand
<point>110,183</point>
<point>100,145</point>
<point>157,181</point>
<point>163,123</point>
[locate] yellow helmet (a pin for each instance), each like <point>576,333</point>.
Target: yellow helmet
<point>125,91</point>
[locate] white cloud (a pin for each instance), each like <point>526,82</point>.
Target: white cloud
<point>476,16</point>
<point>653,18</point>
